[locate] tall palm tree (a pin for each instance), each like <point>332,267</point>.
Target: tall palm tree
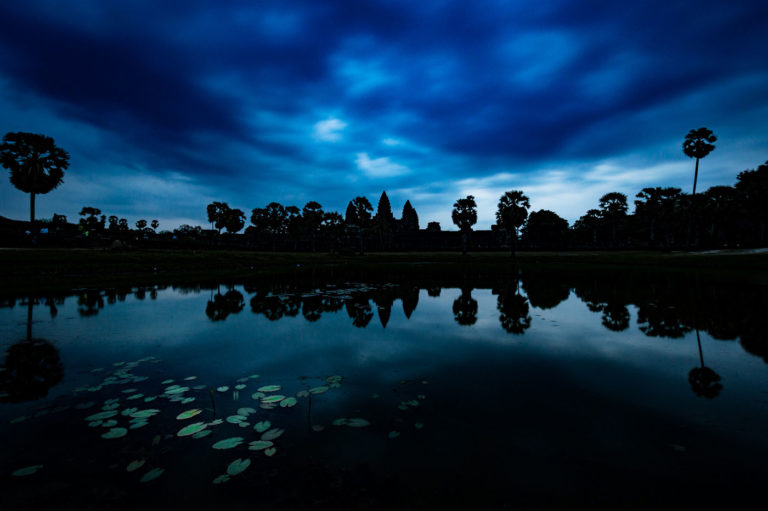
<point>697,144</point>
<point>37,165</point>
<point>511,214</point>
<point>464,215</point>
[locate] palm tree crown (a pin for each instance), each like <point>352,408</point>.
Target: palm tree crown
<point>36,164</point>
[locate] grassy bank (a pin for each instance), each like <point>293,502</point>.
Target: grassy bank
<point>27,270</point>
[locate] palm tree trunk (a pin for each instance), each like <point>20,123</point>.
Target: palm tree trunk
<point>32,217</point>
<point>695,176</point>
<point>514,241</point>
<point>701,355</point>
<point>463,243</point>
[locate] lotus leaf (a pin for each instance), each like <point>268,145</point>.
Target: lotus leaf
<point>152,475</point>
<point>26,471</point>
<point>191,429</point>
<point>101,415</point>
<point>228,443</point>
<point>269,388</point>
<point>272,434</point>
<point>238,466</point>
<point>262,426</point>
<point>115,433</point>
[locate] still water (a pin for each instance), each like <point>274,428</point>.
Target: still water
<point>530,389</point>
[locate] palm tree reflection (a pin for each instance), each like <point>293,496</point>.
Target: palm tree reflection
<point>465,308</point>
<point>31,367</point>
<point>704,381</point>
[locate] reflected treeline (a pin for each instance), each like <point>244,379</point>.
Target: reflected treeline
<point>669,305</point>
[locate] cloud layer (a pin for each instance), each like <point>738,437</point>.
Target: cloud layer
<point>165,108</point>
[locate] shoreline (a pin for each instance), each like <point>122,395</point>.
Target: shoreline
<point>54,269</point>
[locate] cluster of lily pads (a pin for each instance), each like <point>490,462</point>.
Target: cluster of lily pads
<point>124,412</point>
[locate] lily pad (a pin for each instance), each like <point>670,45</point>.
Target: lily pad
<point>239,386</point>
<point>101,415</point>
<point>258,445</point>
<point>177,390</point>
<point>357,422</point>
<point>228,443</point>
<point>288,402</point>
<point>202,434</point>
<point>262,426</point>
<point>111,423</point>
<point>187,400</point>
<point>236,419</point>
<point>135,465</point>
<point>270,451</point>
<point>145,414</point>
<point>269,388</point>
<point>190,378</point>
<point>115,433</point>
<point>257,395</point>
<point>26,471</point>
<point>188,414</point>
<point>166,382</point>
<point>152,475</point>
<point>192,429</point>
<point>340,422</point>
<point>302,393</point>
<point>272,434</point>
<point>393,434</point>
<point>140,423</point>
<point>254,376</point>
<point>334,379</point>
<point>238,466</point>
<point>418,425</point>
<point>319,390</point>
<point>223,388</point>
<point>215,422</point>
<point>245,411</point>
<point>223,478</point>
<point>275,398</point>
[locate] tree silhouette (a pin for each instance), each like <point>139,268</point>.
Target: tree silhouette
<point>657,208</point>
<point>465,308</point>
<point>91,220</point>
<point>332,229</point>
<point>545,229</point>
<point>36,164</point>
<point>294,224</point>
<point>217,214</point>
<point>511,214</point>
<point>141,224</point>
<point>698,144</point>
<point>752,185</point>
<point>313,216</point>
<point>234,220</point>
<point>359,217</point>
<point>513,311</point>
<point>31,367</point>
<point>154,224</point>
<point>613,207</point>
<point>221,306</point>
<point>704,381</point>
<point>464,215</point>
<point>410,219</point>
<point>271,219</point>
<point>589,224</point>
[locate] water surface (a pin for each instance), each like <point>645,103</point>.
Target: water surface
<point>526,389</point>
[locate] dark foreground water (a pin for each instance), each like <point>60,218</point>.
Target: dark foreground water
<point>475,391</point>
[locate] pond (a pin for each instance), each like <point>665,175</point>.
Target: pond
<point>530,388</point>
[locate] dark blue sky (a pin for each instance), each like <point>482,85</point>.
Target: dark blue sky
<point>166,108</point>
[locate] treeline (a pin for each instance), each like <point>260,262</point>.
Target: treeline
<point>663,218</point>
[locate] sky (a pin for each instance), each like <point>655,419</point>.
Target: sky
<point>165,107</point>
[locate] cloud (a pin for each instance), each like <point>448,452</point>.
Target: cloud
<point>328,130</point>
<point>379,167</point>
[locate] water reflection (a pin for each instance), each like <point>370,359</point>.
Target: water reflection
<point>31,366</point>
<point>704,381</point>
<point>220,306</point>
